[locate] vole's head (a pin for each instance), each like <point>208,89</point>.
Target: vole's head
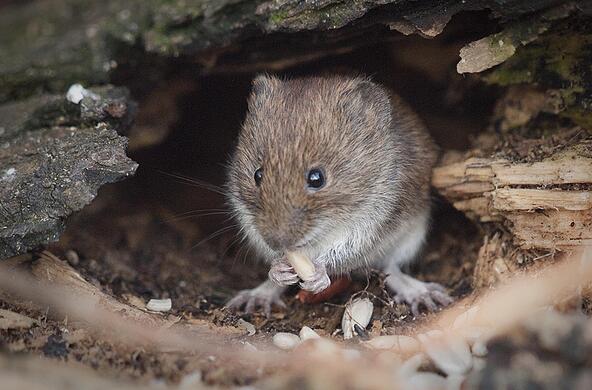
<point>313,161</point>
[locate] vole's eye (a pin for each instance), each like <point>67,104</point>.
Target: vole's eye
<point>258,176</point>
<point>315,178</point>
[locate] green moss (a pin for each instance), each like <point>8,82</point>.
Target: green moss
<point>278,17</point>
<point>559,60</point>
<point>500,47</point>
<point>332,15</point>
<point>551,58</point>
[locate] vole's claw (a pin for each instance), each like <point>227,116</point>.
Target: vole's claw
<point>442,298</point>
<point>282,274</point>
<point>318,283</point>
<point>436,287</point>
<point>262,297</point>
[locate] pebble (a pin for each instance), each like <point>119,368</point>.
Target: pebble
<point>307,333</point>
<point>160,305</point>
<point>285,340</point>
<point>359,311</point>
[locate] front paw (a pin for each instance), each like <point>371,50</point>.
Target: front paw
<point>318,282</point>
<point>282,273</point>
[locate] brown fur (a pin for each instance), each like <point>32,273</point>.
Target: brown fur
<point>375,152</point>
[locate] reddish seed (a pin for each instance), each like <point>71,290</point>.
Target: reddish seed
<point>337,286</point>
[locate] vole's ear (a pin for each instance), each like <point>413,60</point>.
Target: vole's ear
<point>263,84</point>
<point>367,99</point>
<point>370,92</point>
<point>262,88</point>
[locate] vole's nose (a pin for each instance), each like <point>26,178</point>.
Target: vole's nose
<point>278,241</point>
<point>283,233</point>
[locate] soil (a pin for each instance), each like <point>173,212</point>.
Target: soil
<point>136,248</point>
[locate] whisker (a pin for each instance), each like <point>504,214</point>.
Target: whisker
<point>195,182</point>
<point>215,234</point>
<point>243,259</point>
<point>230,245</point>
<point>201,210</point>
<point>185,216</point>
<point>243,252</point>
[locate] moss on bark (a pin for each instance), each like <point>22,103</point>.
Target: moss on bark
<point>559,61</point>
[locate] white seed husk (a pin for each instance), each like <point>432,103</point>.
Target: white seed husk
<point>285,340</point>
<point>160,305</point>
<point>250,328</point>
<point>302,265</point>
<point>401,344</point>
<point>307,333</point>
<point>359,311</point>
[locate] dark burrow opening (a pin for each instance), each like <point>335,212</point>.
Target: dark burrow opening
<point>160,235</point>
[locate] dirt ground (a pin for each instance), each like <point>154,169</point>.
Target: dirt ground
<point>136,249</point>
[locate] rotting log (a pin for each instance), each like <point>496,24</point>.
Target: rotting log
<point>47,46</point>
<point>558,63</point>
<point>495,49</point>
<point>48,270</point>
<point>545,204</point>
<point>49,284</point>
